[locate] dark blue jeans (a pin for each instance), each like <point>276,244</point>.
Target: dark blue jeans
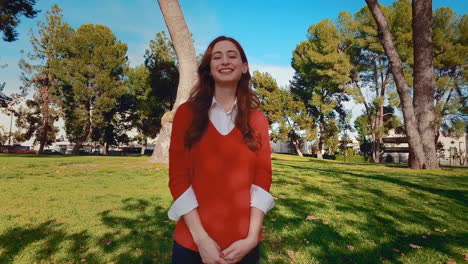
<point>182,255</point>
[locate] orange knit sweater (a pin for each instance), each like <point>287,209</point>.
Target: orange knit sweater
<point>221,170</point>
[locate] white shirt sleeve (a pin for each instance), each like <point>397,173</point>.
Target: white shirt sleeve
<point>184,204</point>
<point>261,199</point>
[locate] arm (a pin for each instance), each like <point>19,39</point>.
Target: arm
<point>192,219</point>
<point>179,156</point>
<point>256,220</point>
<point>179,167</point>
<point>185,204</point>
<point>260,196</point>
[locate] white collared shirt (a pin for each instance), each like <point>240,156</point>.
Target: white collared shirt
<point>224,122</point>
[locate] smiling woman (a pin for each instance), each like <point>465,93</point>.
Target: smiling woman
<point>226,65</point>
<point>219,163</point>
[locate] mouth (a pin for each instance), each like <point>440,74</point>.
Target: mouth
<point>226,70</point>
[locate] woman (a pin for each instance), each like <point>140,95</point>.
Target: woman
<point>219,163</point>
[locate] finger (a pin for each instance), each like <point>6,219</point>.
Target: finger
<point>230,261</point>
<point>233,261</point>
<point>221,261</point>
<point>227,252</point>
<point>231,256</point>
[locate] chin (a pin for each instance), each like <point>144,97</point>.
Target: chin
<point>228,79</point>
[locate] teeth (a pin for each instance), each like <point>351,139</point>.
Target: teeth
<point>226,70</point>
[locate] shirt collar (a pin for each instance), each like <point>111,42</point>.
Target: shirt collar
<point>215,103</point>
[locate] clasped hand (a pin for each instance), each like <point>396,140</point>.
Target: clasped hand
<point>211,253</point>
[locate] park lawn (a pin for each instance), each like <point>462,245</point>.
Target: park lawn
<point>87,209</point>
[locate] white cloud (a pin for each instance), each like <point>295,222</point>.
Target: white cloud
<point>355,111</point>
<point>135,54</point>
<point>10,74</point>
<point>282,74</point>
<point>199,48</point>
<point>12,85</point>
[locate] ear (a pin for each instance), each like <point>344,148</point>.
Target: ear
<point>245,67</point>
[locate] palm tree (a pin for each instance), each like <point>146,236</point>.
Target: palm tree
<point>183,45</point>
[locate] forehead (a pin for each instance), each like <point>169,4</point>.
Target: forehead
<point>224,46</point>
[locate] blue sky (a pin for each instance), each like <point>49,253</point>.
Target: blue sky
<point>268,30</point>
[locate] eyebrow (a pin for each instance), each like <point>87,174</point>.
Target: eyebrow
<point>227,52</point>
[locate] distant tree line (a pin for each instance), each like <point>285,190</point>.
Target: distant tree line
<point>373,57</point>
<point>345,59</point>
<point>83,77</point>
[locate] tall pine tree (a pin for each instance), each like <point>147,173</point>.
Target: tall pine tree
<point>40,72</point>
<point>92,86</point>
<point>287,115</point>
<point>322,71</point>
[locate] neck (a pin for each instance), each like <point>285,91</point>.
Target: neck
<point>225,95</point>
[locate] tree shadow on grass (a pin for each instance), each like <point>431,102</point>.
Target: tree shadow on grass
<point>380,223</point>
<point>144,235</point>
<point>457,195</point>
<point>50,235</point>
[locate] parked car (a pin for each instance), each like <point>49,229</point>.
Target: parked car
<point>80,152</point>
<point>21,151</point>
<point>95,152</point>
<point>51,152</point>
<point>83,152</point>
<point>17,149</point>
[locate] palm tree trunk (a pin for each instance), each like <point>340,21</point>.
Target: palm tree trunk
<point>183,45</point>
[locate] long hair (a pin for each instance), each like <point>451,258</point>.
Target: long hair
<point>202,94</point>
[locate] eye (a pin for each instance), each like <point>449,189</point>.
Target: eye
<point>216,57</point>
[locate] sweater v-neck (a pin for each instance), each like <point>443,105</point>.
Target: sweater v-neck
<point>217,132</point>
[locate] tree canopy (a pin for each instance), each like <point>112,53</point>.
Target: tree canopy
<point>10,12</point>
<point>287,115</point>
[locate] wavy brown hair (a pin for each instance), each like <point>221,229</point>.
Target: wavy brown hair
<point>202,94</point>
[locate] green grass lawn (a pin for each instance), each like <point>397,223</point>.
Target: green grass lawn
<point>89,209</point>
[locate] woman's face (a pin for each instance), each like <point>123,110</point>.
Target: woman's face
<point>226,64</point>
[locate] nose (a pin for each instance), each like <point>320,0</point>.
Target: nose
<point>225,60</point>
